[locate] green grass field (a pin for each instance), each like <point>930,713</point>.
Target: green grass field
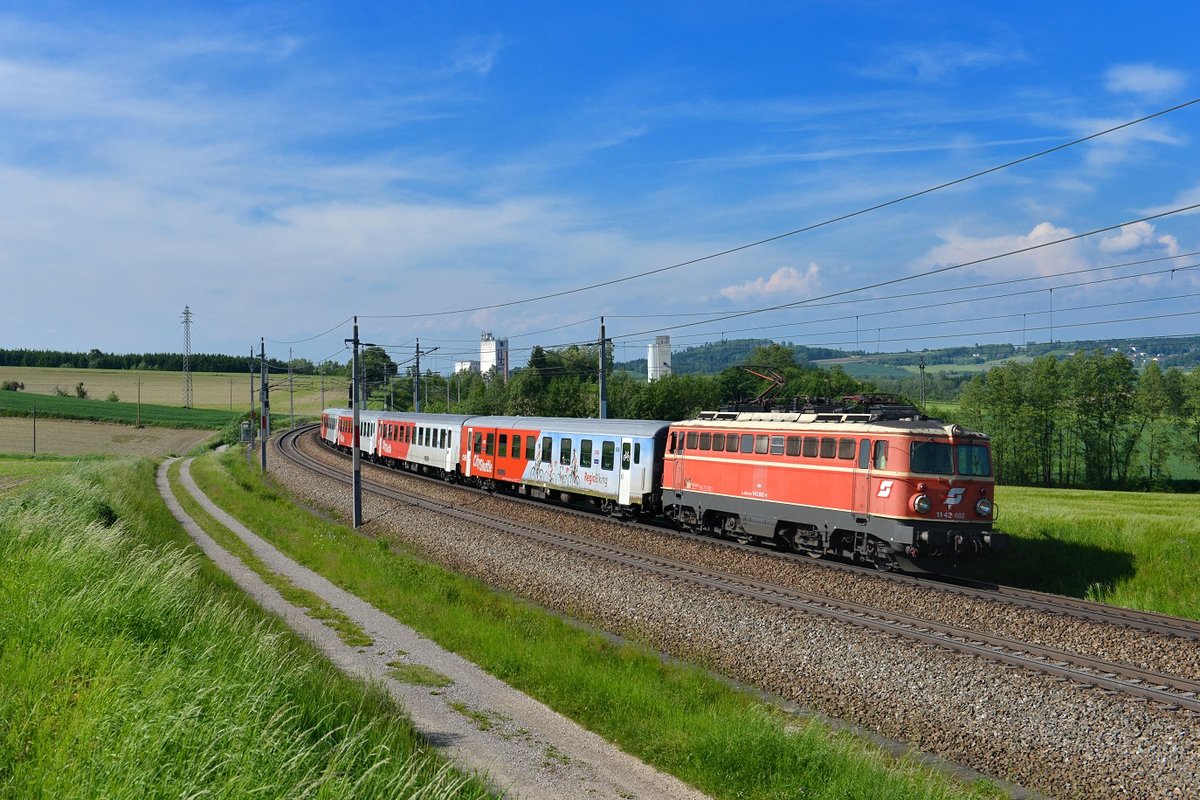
<point>133,668</point>
<point>1134,549</point>
<point>23,403</point>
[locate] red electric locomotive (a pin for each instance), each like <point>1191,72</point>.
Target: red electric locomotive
<point>886,487</point>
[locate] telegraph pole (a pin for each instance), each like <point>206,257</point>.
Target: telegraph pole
<point>603,386</point>
<point>187,354</point>
<point>921,365</point>
<point>264,422</point>
<point>291,392</point>
<point>417,381</point>
<point>354,456</point>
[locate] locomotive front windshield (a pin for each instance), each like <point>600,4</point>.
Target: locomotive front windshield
<point>931,457</point>
<point>974,459</point>
<point>939,458</point>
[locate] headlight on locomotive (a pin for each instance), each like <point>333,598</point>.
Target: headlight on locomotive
<point>984,507</point>
<point>921,504</point>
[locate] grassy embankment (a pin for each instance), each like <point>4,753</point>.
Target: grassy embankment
<point>1135,549</point>
<point>133,668</point>
<point>677,718</point>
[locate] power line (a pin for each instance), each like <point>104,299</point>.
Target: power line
<point>804,229</point>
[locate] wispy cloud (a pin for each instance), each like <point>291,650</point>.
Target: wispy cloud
<point>1147,80</point>
<point>1139,236</point>
<point>938,62</point>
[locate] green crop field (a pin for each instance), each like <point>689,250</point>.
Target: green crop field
<point>20,404</point>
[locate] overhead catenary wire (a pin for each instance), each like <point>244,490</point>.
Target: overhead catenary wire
<point>800,230</point>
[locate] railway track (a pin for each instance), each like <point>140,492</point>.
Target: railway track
<point>1168,690</point>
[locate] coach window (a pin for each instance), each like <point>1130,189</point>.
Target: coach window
<point>864,453</point>
<point>477,445</point>
<point>846,449</point>
<point>503,446</point>
<point>793,446</point>
<point>747,445</point>
<point>564,452</point>
<point>706,441</point>
<point>607,449</point>
<point>585,452</point>
<point>531,448</point>
<point>624,455</point>
<point>828,447</point>
<point>811,445</point>
<point>881,454</point>
<point>691,440</point>
<point>776,445</point>
<point>516,451</point>
<point>490,449</point>
<point>637,452</point>
<point>547,447</point>
<point>445,439</point>
<point>760,444</point>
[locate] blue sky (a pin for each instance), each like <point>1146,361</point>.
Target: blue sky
<point>281,167</point>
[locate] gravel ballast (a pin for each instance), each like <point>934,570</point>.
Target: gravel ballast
<point>1055,737</point>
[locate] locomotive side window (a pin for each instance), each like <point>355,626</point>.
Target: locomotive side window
<point>864,454</point>
<point>760,443</point>
<point>564,453</point>
<point>585,452</point>
<point>793,446</point>
<point>731,443</point>
<point>607,450</point>
<point>747,445</point>
<point>776,445</point>
<point>881,454</point>
<point>828,447</point>
<point>973,459</point>
<point>673,447</point>
<point>547,446</point>
<point>932,457</point>
<point>718,442</point>
<point>503,446</point>
<point>691,440</point>
<point>846,449</point>
<point>706,441</point>
<point>811,445</point>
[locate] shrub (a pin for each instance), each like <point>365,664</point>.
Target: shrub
<point>80,392</point>
<point>13,386</point>
<point>112,397</point>
<point>60,392</point>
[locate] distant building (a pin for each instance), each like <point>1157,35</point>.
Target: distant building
<point>493,354</point>
<point>658,358</point>
<point>466,366</point>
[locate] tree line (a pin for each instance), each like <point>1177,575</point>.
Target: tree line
<point>1089,421</point>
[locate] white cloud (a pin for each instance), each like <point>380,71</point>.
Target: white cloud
<point>785,282</point>
<point>1143,79</point>
<point>1048,260</point>
<point>1137,236</point>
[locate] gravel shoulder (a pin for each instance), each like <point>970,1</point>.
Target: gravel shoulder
<point>526,750</point>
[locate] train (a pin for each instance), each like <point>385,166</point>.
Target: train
<point>880,485</point>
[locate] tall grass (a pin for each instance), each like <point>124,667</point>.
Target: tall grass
<point>677,718</point>
<point>1134,549</point>
<point>128,672</point>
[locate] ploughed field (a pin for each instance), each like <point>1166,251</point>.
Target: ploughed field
<point>77,438</point>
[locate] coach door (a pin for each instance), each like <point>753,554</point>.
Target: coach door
<point>466,451</point>
<point>862,480</point>
<point>626,472</point>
